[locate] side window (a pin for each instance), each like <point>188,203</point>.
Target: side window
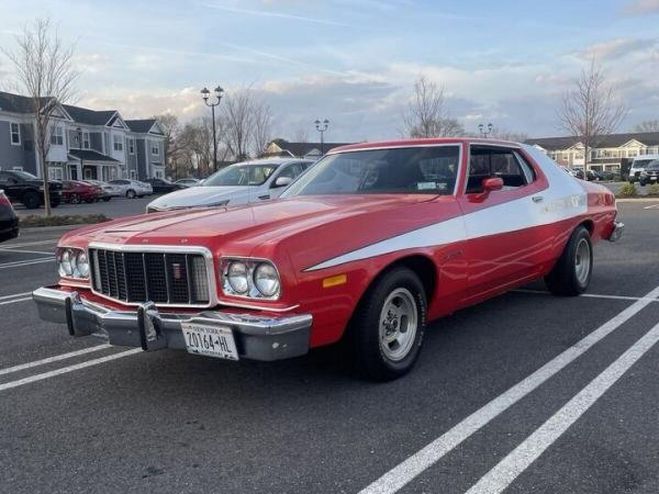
<point>291,171</point>
<point>4,178</point>
<point>507,164</point>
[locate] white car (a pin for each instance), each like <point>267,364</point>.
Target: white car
<point>132,188</point>
<point>187,182</point>
<point>241,183</point>
<point>638,166</point>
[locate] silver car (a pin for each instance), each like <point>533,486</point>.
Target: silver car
<point>241,183</point>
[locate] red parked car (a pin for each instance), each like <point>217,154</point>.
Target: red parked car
<point>76,191</point>
<point>369,245</point>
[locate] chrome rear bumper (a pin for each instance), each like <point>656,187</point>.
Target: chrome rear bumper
<point>257,337</point>
<point>618,230</point>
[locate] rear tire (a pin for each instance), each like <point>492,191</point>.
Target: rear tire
<point>130,194</point>
<point>106,199</point>
<point>31,200</point>
<point>387,329</point>
<point>573,270</point>
<point>74,199</point>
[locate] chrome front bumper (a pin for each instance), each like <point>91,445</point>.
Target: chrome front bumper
<point>616,233</point>
<point>257,337</point>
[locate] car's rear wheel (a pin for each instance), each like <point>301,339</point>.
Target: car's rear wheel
<point>31,199</point>
<point>130,194</point>
<point>573,270</point>
<point>387,329</point>
<point>106,199</point>
<point>74,199</point>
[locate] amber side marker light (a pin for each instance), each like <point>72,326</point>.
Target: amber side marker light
<point>339,279</point>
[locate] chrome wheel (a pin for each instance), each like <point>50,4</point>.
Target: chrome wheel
<point>582,261</point>
<point>399,320</point>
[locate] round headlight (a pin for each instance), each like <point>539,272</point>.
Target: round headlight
<point>237,277</point>
<point>266,279</point>
<point>66,263</point>
<point>83,265</point>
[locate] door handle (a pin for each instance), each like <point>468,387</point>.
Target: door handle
<point>537,198</point>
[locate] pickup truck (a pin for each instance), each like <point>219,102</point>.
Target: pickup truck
<point>23,187</point>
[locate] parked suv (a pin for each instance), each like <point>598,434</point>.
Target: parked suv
<point>20,186</point>
<point>651,174</point>
<point>639,164</point>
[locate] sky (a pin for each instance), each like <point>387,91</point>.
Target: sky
<point>353,62</point>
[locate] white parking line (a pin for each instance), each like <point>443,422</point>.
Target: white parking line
<point>654,206</point>
<point>590,295</point>
<point>508,469</point>
<point>29,262</point>
<point>6,302</point>
<point>28,244</point>
<point>403,473</point>
<point>56,358</point>
<point>5,297</point>
<point>71,368</point>
<point>14,251</point>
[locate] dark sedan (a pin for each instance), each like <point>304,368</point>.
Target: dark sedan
<point>162,186</point>
<point>8,219</point>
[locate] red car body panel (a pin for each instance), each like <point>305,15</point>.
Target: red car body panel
<point>82,190</point>
<point>469,246</point>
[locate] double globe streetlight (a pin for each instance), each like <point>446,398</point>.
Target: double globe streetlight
<point>322,127</point>
<point>485,131</point>
<point>205,94</point>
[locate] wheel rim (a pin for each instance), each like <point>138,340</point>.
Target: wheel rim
<point>582,261</point>
<point>398,324</point>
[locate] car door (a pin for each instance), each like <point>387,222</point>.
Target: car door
<point>9,184</point>
<point>504,247</point>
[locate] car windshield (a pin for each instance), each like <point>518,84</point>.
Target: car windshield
<point>242,175</point>
<point>412,170</point>
<point>654,165</point>
<point>641,163</point>
<point>25,175</point>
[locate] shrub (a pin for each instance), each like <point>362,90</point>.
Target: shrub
<point>627,190</point>
<point>653,190</point>
<point>34,220</point>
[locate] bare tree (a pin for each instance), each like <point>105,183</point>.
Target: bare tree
<point>427,115</point>
<point>647,126</point>
<point>301,135</point>
<point>171,127</point>
<point>261,127</point>
<point>592,109</point>
<point>238,116</point>
<point>508,135</point>
<point>194,147</point>
<point>45,73</point>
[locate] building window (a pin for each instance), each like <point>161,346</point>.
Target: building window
<point>155,149</point>
<point>131,145</point>
<point>118,143</point>
<point>133,174</point>
<point>15,134</point>
<point>55,173</point>
<point>85,140</point>
<point>57,138</point>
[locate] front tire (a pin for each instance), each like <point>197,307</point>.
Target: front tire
<point>573,270</point>
<point>31,200</point>
<point>130,194</point>
<point>387,329</point>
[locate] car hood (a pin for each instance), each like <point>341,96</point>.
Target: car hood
<point>198,196</point>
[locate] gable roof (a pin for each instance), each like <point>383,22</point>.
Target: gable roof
<point>87,116</point>
<point>16,103</point>
<point>141,126</point>
<point>301,149</point>
<point>607,141</point>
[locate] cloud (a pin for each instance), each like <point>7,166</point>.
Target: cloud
<point>279,15</point>
<point>616,48</point>
<point>640,7</point>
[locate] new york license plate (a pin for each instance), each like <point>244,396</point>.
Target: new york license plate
<point>211,341</point>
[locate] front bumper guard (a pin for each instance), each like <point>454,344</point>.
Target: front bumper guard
<point>257,337</point>
<point>616,233</point>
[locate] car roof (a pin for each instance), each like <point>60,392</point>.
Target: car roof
<point>646,157</point>
<point>428,141</point>
<point>273,161</point>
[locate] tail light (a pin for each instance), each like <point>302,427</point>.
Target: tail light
<point>3,199</point>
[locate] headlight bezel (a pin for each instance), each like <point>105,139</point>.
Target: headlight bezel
<point>70,265</point>
<point>253,292</point>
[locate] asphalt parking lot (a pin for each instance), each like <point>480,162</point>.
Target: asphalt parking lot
<point>526,392</point>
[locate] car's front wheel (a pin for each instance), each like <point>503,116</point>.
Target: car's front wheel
<point>387,329</point>
<point>571,274</point>
<point>130,194</point>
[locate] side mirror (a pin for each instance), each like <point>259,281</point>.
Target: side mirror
<point>491,184</point>
<point>283,181</point>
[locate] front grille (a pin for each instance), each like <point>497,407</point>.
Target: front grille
<point>160,277</point>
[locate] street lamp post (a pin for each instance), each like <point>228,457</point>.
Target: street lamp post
<point>322,127</point>
<point>205,94</point>
<point>485,133</point>
<point>79,130</point>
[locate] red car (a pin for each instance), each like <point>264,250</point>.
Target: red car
<point>76,191</point>
<point>8,219</point>
<point>373,242</point>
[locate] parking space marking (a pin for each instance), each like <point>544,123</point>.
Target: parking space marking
<point>654,206</point>
<point>70,368</point>
<point>56,358</point>
<point>399,476</point>
<point>27,262</point>
<point>14,251</point>
<point>5,297</point>
<point>508,469</point>
<point>7,302</point>
<point>591,295</point>
<point>29,244</point>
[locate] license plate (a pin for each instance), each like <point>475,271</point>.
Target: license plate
<point>211,341</point>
